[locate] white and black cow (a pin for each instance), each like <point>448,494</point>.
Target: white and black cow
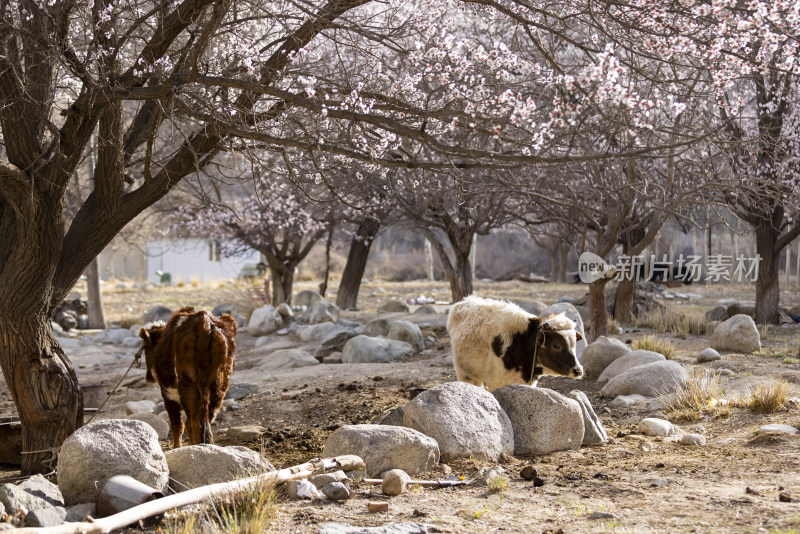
<point>496,343</point>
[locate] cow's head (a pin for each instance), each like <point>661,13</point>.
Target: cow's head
<point>556,343</point>
<point>151,335</point>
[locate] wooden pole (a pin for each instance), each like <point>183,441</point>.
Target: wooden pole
<point>159,506</point>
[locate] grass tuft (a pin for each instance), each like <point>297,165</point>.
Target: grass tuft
<point>701,395</point>
<point>655,344</point>
<point>613,326</point>
<point>498,484</point>
<point>680,323</point>
<point>769,397</point>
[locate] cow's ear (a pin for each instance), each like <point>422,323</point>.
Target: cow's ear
<point>578,336</point>
<point>144,333</point>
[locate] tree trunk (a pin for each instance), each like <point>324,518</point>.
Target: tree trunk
<point>461,279</point>
<point>97,316</point>
<point>562,263</point>
<point>323,286</point>
<point>768,282</point>
<point>43,385</point>
<point>624,299</point>
<point>347,296</point>
<point>597,309</point>
<point>282,281</point>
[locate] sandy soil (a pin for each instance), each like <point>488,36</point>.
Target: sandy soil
<point>732,484</point>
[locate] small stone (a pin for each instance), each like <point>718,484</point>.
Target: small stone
<point>239,390</point>
<point>528,472</point>
<point>725,372</point>
<point>783,429</point>
<point>326,478</point>
<point>784,497</point>
<point>159,408</point>
<point>230,404</point>
<point>80,512</point>
<point>647,446</point>
<point>708,355</point>
<point>377,507</point>
<point>143,406</point>
<point>652,426</point>
<point>658,482</point>
<point>601,515</point>
<point>336,491</point>
<point>445,469</point>
<point>623,401</point>
<point>46,517</point>
<point>395,482</point>
<point>538,482</point>
<point>245,434</point>
<point>692,439</point>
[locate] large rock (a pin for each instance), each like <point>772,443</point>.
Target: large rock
<point>334,341</point>
<point>307,298</point>
<point>377,327</point>
<point>102,449</point>
<point>544,421</point>
<point>157,313</point>
<point>393,306</point>
<point>717,313</point>
<point>263,321</point>
<point>593,431</point>
<point>570,311</point>
<point>13,497</point>
<point>465,421</point>
<point>314,332</point>
<point>629,361</point>
<point>322,311</point>
<point>708,355</point>
<point>239,390</point>
<point>737,334</point>
<point>408,332</point>
<point>142,406</point>
<point>287,359</point>
<point>600,354</point>
<point>650,380</point>
<point>363,349</point>
<point>157,423</point>
<point>198,465</point>
<point>39,486</point>
<point>534,307</point>
<point>384,447</point>
<point>52,516</point>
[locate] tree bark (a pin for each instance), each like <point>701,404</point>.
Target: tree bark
<point>282,281</point>
<point>323,286</point>
<point>43,385</point>
<point>597,309</point>
<point>461,280</point>
<point>562,263</point>
<point>624,300</point>
<point>768,282</point>
<point>97,317</point>
<point>347,296</point>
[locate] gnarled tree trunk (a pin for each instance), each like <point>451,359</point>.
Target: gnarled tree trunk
<point>94,297</point>
<point>768,282</point>
<point>282,280</point>
<point>598,309</point>
<point>347,295</point>
<point>624,299</point>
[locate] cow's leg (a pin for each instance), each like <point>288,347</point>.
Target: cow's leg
<point>206,435</point>
<point>216,396</point>
<point>175,421</point>
<point>194,415</point>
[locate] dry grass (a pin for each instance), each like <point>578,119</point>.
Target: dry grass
<point>249,511</point>
<point>769,397</point>
<point>498,484</point>
<point>701,395</point>
<point>680,323</point>
<point>655,344</point>
<point>613,326</point>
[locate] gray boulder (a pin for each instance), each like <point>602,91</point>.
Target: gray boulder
<point>13,497</point>
<point>363,349</point>
<point>307,298</point>
<point>384,447</point>
<point>157,313</point>
<point>544,421</point>
<point>593,431</point>
<point>102,449</point>
<point>39,486</point>
<point>322,311</point>
<point>717,313</point>
<point>425,309</point>
<point>650,380</point>
<point>394,306</point>
<point>708,355</point>
<point>408,332</point>
<point>572,313</point>
<point>198,465</point>
<point>287,359</point>
<point>52,516</point>
<point>737,334</point>
<point>629,361</point>
<point>80,512</point>
<point>334,341</point>
<point>600,354</point>
<point>314,332</point>
<point>738,308</point>
<point>377,327</point>
<point>142,406</point>
<point>263,321</point>
<point>465,421</point>
<point>239,390</point>
<point>157,423</point>
<point>534,307</point>
<point>393,417</point>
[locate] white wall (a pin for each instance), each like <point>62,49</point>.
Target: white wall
<point>185,259</point>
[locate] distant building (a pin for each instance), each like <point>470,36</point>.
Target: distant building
<point>187,259</point>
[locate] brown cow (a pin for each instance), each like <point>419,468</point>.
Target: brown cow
<point>191,358</point>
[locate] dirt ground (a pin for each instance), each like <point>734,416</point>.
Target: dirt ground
<point>732,484</point>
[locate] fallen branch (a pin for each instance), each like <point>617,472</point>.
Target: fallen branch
<point>159,506</point>
<point>425,483</point>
